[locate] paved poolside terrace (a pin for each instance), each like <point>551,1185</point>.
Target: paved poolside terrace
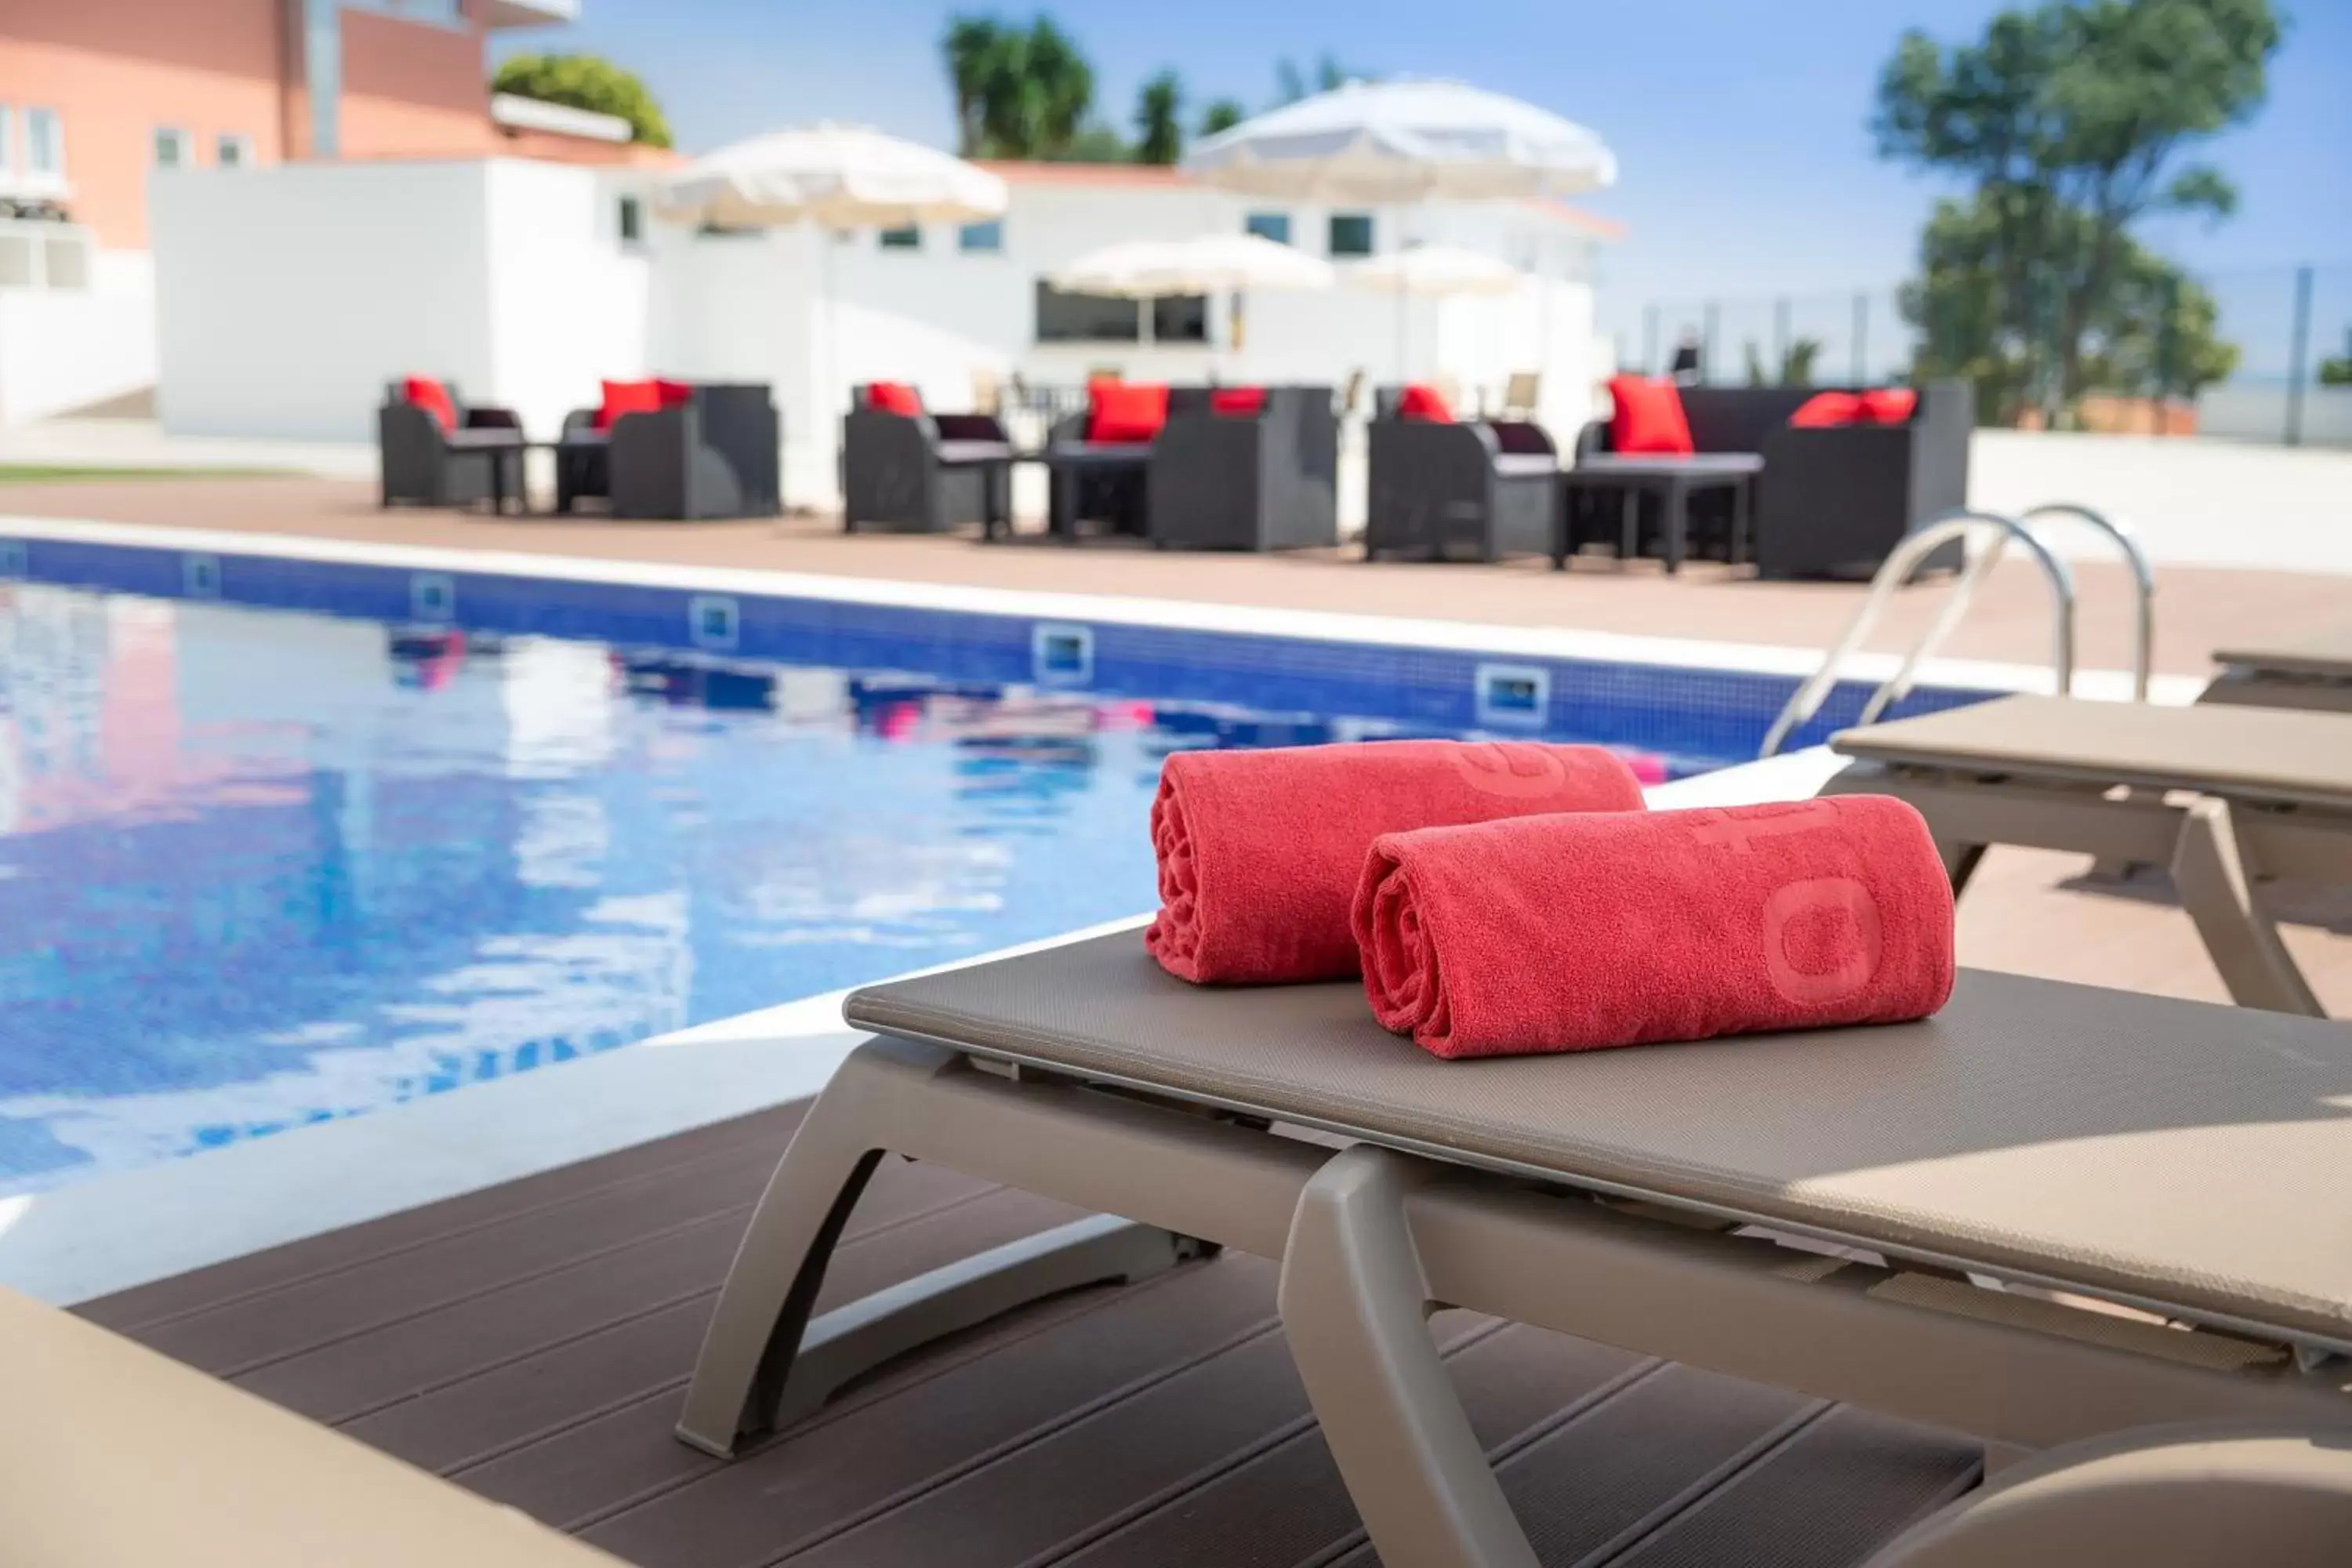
<point>529,1336</point>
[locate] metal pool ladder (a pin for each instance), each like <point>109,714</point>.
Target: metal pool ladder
<point>1808,699</point>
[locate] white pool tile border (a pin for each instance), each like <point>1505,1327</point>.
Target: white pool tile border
<point>1556,642</point>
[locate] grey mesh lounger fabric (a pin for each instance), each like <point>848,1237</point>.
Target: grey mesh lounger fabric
<point>2097,1137</point>
<point>2273,788</point>
<point>2183,1157</point>
<point>2311,670</point>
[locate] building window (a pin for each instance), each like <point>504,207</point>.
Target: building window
<point>233,149</point>
<point>1085,318</point>
<point>1180,319</point>
<point>45,143</point>
<point>171,148</point>
<point>629,218</point>
<point>1275,226</point>
<point>907,238</point>
<point>981,236</point>
<point>1352,234</point>
<point>440,13</point>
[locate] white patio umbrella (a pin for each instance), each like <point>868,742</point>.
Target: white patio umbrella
<point>1399,141</point>
<point>1210,264</point>
<point>1432,271</point>
<point>842,176</point>
<point>1386,143</point>
<point>838,177</point>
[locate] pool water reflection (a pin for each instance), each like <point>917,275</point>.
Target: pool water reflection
<point>259,868</point>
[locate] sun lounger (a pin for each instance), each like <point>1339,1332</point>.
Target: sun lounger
<point>111,1454</point>
<point>2179,1159</point>
<point>2273,794</point>
<point>2310,671</point>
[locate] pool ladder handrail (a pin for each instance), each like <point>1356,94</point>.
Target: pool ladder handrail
<point>1807,698</point>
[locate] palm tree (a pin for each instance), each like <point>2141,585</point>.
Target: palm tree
<point>1059,87</point>
<point>1020,92</point>
<point>974,47</point>
<point>1222,114</point>
<point>1158,130</point>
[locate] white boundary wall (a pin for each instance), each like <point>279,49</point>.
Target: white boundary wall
<point>62,349</point>
<point>286,296</point>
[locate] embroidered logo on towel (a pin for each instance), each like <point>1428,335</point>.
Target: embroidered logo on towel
<point>1514,770</point>
<point>1836,915</point>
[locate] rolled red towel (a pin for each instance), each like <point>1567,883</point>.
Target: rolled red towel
<point>1571,933</point>
<point>1260,852</point>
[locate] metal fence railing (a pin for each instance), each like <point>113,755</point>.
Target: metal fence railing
<point>2289,328</point>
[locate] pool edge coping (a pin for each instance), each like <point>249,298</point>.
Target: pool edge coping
<point>1501,639</point>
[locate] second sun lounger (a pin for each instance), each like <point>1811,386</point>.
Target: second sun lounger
<point>2273,795</point>
<point>2180,1158</point>
<point>2309,671</point>
<point>112,1453</point>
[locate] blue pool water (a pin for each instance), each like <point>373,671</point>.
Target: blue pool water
<point>260,867</point>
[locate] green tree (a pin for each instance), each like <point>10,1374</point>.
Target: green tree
<point>1094,142</point>
<point>1159,124</point>
<point>1222,114</point>
<point>590,82</point>
<point>2153,331</point>
<point>1020,92</point>
<point>973,48</point>
<point>2336,369</point>
<point>2070,120</point>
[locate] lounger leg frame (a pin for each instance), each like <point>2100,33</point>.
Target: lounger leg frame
<point>1378,1238</point>
<point>1355,1307</point>
<point>2210,870</point>
<point>1178,1175</point>
<point>765,1363</point>
<point>2217,850</point>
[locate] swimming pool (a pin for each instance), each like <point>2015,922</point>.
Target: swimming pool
<point>260,867</point>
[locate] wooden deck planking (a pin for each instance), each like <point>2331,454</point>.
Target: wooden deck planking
<point>533,1342</point>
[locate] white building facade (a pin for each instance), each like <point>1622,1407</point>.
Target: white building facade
<point>287,297</point>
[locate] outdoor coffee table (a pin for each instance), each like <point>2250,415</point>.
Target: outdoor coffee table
<point>1672,479</point>
<point>522,450</point>
<point>492,443</point>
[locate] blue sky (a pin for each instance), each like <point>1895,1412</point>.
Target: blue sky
<point>1740,125</point>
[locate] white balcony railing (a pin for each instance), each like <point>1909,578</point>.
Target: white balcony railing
<point>37,253</point>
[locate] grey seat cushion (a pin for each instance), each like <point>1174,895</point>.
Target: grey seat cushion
<point>2174,1152</point>
<point>959,453</point>
<point>1522,465</point>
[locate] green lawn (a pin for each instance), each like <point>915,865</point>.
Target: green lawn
<point>71,473</point>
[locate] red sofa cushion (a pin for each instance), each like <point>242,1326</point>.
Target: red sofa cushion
<point>1419,400</point>
<point>1647,416</point>
<point>1125,413</point>
<point>1237,402</point>
<point>1889,405</point>
<point>627,397</point>
<point>425,392</point>
<point>1823,410</point>
<point>894,397</point>
<point>672,394</point>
